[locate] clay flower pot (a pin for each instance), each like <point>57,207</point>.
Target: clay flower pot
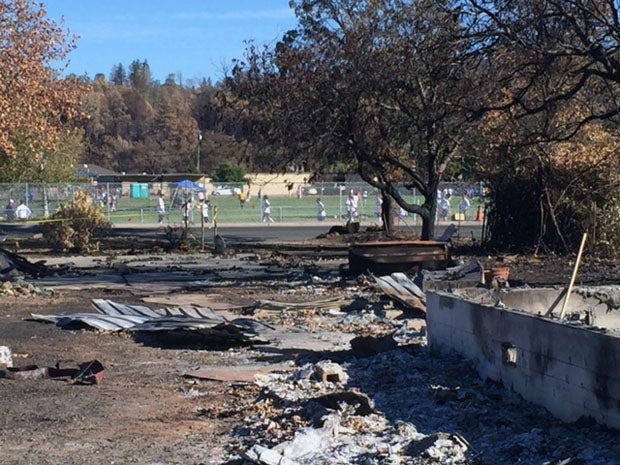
<point>499,272</point>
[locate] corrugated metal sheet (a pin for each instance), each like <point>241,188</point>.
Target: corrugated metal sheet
<point>114,316</point>
<point>401,288</point>
<point>103,322</point>
<point>108,307</point>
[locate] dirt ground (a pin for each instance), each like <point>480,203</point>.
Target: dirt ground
<point>145,410</point>
<point>142,412</point>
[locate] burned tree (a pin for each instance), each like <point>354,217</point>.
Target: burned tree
<point>572,44</point>
<point>551,117</point>
<point>382,86</point>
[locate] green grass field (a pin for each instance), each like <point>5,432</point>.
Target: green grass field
<point>283,209</point>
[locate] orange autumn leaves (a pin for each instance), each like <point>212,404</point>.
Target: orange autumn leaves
<point>593,146</point>
<point>35,102</point>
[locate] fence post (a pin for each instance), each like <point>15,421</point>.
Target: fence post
<point>108,199</point>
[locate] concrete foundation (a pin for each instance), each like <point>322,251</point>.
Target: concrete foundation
<point>569,366</point>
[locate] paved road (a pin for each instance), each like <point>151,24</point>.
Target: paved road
<point>239,232</point>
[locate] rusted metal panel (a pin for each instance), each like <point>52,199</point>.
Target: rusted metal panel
<point>392,256</point>
<point>86,373</point>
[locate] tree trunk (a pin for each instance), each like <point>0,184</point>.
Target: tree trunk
<point>387,213</point>
<point>428,227</point>
<point>428,217</point>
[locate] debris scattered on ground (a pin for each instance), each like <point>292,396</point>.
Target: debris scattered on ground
<point>380,399</point>
<point>6,356</point>
<point>400,407</point>
<point>472,268</point>
<point>384,257</point>
<point>19,287</point>
<point>112,316</point>
<point>12,264</point>
<point>240,373</point>
<point>86,373</point>
<point>320,305</point>
<point>367,346</point>
<point>400,287</point>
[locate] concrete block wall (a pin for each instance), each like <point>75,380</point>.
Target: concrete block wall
<point>600,304</point>
<point>572,371</point>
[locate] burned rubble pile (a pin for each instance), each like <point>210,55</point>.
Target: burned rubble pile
<point>14,268</point>
<point>374,396</point>
<point>404,406</point>
<point>385,399</point>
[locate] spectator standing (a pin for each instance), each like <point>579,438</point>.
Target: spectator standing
<point>267,210</point>
<point>351,204</point>
<point>22,211</point>
<point>10,210</point>
<point>114,199</point>
<point>321,214</point>
<point>402,213</point>
<point>161,208</point>
<point>379,209</point>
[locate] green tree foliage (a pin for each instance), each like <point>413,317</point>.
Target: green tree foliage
<point>229,173</point>
<point>118,75</point>
<point>140,75</point>
<point>51,166</point>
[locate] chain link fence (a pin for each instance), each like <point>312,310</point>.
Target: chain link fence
<point>232,202</point>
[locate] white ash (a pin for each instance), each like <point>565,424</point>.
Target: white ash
<point>429,411</point>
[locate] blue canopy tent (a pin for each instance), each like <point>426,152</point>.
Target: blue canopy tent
<point>185,185</point>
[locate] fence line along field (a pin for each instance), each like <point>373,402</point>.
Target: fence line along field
<point>137,203</point>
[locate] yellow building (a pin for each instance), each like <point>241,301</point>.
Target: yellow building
<point>267,183</point>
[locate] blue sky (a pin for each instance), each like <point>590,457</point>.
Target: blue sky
<point>196,38</point>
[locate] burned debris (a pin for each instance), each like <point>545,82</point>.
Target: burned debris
<point>385,257</point>
<point>86,373</point>
<point>321,367</point>
<point>13,265</point>
<point>202,322</point>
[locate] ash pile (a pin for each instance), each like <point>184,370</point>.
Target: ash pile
<point>385,399</point>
